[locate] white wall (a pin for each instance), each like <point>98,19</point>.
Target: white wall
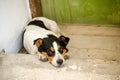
<point>13,16</point>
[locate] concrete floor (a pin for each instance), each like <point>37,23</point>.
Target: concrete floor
<point>94,55</point>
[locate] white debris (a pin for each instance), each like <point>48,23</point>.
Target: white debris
<point>79,69</point>
<point>74,67</point>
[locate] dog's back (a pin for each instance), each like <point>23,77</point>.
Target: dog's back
<point>46,24</point>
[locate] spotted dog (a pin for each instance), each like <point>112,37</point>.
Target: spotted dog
<point>42,36</point>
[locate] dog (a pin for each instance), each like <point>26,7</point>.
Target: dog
<point>42,36</point>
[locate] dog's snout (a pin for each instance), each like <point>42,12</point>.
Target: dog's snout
<point>59,61</point>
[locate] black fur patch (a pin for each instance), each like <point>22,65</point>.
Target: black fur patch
<point>23,35</point>
<point>64,40</point>
<point>38,23</point>
<point>48,43</point>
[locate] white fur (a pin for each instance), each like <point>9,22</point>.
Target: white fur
<point>57,55</point>
<point>33,32</point>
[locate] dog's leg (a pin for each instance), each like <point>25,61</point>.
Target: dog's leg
<point>66,56</point>
<point>42,57</point>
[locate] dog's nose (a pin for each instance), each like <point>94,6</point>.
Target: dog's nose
<point>59,61</point>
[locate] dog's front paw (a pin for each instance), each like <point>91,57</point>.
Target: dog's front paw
<point>43,58</point>
<point>66,56</point>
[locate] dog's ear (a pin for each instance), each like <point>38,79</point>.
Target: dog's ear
<point>38,42</point>
<point>64,40</point>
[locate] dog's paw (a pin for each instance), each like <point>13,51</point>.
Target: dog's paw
<point>43,58</point>
<point>66,56</point>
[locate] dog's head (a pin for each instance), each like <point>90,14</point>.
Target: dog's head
<point>53,48</point>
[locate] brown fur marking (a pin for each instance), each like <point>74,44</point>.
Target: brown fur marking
<point>64,52</point>
<point>52,49</point>
<point>48,57</point>
<point>63,39</point>
<point>38,42</point>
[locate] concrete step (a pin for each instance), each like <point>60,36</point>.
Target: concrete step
<point>95,47</point>
<point>28,67</point>
<point>93,41</point>
<point>91,30</point>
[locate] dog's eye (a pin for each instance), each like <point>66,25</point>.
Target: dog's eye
<point>61,50</point>
<point>51,52</point>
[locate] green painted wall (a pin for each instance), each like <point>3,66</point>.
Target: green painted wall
<point>82,11</point>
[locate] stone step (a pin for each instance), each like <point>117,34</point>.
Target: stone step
<point>93,41</point>
<point>28,67</point>
<point>96,30</point>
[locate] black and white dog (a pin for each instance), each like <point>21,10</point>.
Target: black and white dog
<point>42,36</point>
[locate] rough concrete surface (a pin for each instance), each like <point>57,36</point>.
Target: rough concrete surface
<point>93,56</point>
